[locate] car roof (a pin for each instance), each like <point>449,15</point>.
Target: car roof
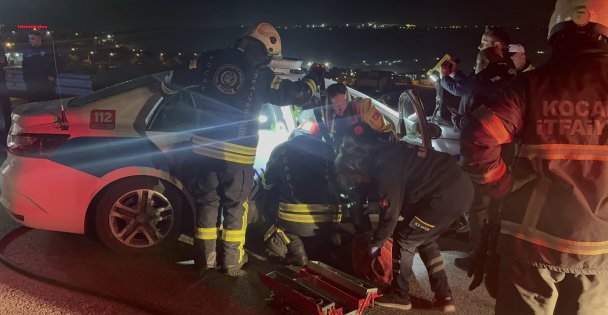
<point>117,89</point>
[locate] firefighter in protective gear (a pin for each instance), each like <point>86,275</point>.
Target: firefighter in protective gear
<point>229,86</point>
<point>341,114</point>
<point>307,210</point>
<point>554,221</point>
<point>425,187</point>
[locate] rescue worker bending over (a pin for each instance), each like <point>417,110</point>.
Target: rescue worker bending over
<point>553,231</point>
<point>307,211</point>
<point>427,188</point>
<point>341,114</point>
<point>233,84</point>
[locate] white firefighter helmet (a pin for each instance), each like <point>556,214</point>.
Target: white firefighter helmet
<point>269,36</point>
<point>581,12</point>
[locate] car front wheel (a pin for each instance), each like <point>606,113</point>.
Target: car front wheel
<point>139,215</point>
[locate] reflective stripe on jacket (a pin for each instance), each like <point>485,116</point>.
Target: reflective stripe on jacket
<point>223,150</point>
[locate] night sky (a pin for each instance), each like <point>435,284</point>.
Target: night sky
<point>117,15</point>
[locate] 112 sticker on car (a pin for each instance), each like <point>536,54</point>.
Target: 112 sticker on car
<point>103,119</point>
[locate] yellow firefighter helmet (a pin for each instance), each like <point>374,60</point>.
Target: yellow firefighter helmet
<point>269,36</point>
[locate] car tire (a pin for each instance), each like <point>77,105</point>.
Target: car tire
<point>139,215</point>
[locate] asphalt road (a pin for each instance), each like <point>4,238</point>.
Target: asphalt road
<point>21,295</point>
<point>166,283</point>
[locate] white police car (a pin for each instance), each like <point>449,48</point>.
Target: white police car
<point>108,167</point>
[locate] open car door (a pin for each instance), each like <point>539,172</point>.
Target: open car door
<point>412,126</point>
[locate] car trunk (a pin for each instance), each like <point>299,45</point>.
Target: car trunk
<point>39,113</point>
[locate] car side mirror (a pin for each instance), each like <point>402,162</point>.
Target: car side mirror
<point>434,130</point>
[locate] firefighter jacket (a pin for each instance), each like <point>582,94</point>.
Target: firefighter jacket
<point>300,175</point>
<point>556,215</point>
<point>408,175</point>
<point>358,111</point>
<point>233,86</point>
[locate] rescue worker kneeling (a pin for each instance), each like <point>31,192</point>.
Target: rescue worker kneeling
<point>427,188</point>
<point>306,207</point>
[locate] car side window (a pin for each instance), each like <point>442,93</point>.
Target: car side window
<point>176,113</point>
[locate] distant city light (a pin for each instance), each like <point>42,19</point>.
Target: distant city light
<point>73,49</point>
<point>92,52</point>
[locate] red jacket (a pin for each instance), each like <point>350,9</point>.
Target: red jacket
<point>556,214</point>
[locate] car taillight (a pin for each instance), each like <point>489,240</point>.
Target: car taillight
<point>34,144</point>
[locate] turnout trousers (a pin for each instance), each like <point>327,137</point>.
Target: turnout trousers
<point>221,189</point>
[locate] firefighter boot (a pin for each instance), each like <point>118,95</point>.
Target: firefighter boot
<point>205,257</point>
